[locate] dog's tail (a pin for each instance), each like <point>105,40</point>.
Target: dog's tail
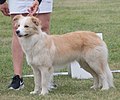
<point>109,76</point>
<point>107,70</point>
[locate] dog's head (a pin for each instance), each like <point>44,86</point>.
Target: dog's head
<point>26,26</point>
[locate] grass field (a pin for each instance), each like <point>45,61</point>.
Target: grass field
<point>68,15</point>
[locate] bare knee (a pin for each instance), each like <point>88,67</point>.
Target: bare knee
<point>45,27</point>
<point>45,21</point>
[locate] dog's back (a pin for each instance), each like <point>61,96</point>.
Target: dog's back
<point>72,46</point>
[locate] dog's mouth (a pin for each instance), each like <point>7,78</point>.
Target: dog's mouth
<point>19,35</point>
<point>26,35</point>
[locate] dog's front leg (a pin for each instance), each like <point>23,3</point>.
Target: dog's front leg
<point>37,80</point>
<point>46,73</point>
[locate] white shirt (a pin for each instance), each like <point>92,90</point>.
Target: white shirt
<point>21,6</point>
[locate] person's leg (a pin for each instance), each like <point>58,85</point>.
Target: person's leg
<point>17,58</point>
<point>17,53</point>
<point>45,21</point>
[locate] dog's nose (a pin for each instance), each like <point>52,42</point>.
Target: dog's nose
<point>17,31</point>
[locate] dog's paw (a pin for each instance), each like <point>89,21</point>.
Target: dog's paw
<point>44,92</point>
<point>52,86</point>
<point>104,88</point>
<point>94,87</point>
<point>34,92</point>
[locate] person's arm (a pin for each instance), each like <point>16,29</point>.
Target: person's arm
<point>39,1</point>
<point>33,9</point>
<point>4,8</point>
<point>3,1</point>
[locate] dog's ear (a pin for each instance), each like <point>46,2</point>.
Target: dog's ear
<point>16,18</point>
<point>36,21</point>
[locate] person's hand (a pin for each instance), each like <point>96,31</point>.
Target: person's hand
<point>4,9</point>
<point>33,9</point>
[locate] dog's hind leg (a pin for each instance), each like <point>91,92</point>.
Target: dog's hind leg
<point>109,76</point>
<point>92,72</point>
<point>105,75</point>
<point>97,60</point>
<point>37,80</point>
<point>98,68</point>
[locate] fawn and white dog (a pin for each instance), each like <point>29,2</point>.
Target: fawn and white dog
<point>44,52</point>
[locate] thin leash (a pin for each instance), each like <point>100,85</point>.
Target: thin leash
<point>37,13</point>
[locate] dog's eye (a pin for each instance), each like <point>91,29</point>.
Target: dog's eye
<point>18,25</point>
<point>26,26</point>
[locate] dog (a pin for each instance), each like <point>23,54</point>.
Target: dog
<point>44,52</point>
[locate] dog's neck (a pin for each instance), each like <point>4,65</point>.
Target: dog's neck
<point>28,43</point>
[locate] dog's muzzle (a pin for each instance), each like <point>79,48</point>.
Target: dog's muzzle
<point>18,33</point>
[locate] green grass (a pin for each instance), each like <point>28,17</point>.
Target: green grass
<point>68,15</point>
